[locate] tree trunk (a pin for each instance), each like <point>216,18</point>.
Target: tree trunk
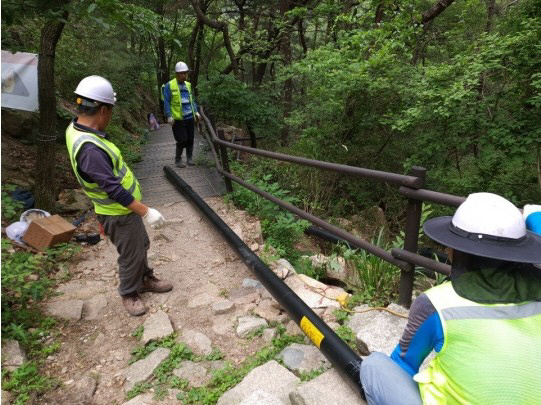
<point>285,45</point>
<point>45,191</point>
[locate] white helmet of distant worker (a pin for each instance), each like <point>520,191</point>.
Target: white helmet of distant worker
<point>96,88</point>
<point>181,67</point>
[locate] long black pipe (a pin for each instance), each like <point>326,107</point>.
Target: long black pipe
<point>346,361</point>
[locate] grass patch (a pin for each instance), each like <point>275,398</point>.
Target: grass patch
<point>227,378</point>
<point>26,280</point>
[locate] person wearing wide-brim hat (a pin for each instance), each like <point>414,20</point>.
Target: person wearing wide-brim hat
<point>484,324</point>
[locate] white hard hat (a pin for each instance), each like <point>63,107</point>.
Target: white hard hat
<point>487,225</point>
<point>96,88</point>
<point>181,67</point>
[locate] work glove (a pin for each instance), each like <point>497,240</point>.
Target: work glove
<point>154,218</point>
<point>197,116</point>
<point>170,120</point>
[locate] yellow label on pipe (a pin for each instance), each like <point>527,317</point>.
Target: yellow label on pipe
<point>311,331</point>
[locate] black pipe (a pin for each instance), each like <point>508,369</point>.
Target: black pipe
<point>346,361</point>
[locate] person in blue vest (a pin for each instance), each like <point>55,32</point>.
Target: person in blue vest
<point>484,325</point>
<point>112,187</point>
<point>181,112</point>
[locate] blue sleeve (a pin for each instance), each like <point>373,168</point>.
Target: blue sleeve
<point>167,100</point>
<point>95,165</point>
<point>423,333</point>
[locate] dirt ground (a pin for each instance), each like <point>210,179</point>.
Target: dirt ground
<point>191,254</point>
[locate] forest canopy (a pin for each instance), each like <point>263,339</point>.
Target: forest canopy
<point>453,86</point>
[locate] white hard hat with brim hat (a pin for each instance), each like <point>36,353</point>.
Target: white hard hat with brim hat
<point>181,67</point>
<point>96,88</point>
<point>487,225</point>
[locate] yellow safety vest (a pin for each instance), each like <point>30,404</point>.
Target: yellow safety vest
<point>102,203</point>
<point>176,99</point>
<point>491,352</point>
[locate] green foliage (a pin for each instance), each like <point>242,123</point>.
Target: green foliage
<point>280,228</point>
<point>376,279</point>
<point>24,381</point>
<point>11,208</point>
<point>347,335</point>
<point>310,375</point>
<point>231,100</point>
<point>138,332</point>
<point>25,281</point>
<point>229,377</point>
<point>163,375</point>
<point>303,265</point>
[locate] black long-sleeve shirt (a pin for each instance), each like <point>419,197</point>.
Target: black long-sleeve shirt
<point>95,166</point>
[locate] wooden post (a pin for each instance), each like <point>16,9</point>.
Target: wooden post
<point>225,161</point>
<point>413,223</point>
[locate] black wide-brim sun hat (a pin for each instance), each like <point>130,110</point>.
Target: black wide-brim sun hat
<point>524,250</point>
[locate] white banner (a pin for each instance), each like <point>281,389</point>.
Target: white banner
<point>20,81</point>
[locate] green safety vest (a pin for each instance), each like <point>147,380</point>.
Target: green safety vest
<point>491,352</point>
<point>102,203</point>
<point>176,99</point>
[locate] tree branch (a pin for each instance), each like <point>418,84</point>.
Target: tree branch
<point>435,10</point>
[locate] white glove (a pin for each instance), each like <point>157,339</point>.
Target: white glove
<point>170,120</point>
<point>154,218</point>
<point>197,116</point>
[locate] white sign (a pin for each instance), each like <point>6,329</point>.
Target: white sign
<point>20,81</point>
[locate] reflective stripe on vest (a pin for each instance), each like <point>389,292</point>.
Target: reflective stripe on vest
<point>102,204</point>
<point>490,353</point>
<point>176,98</point>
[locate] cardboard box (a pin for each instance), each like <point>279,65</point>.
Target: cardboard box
<point>46,232</point>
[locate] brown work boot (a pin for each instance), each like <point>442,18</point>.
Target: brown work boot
<point>153,284</point>
<point>133,304</point>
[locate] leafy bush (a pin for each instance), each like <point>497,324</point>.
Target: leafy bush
<point>11,208</point>
<point>231,100</point>
<point>25,281</point>
<point>280,228</point>
<point>376,280</point>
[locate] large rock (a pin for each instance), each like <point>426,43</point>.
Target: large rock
<point>93,307</point>
<point>267,310</point>
<point>143,399</point>
<point>314,293</point>
<point>271,377</point>
<point>73,200</point>
<point>83,389</point>
<point>157,326</point>
<point>142,370</point>
<point>70,309</point>
<point>378,330</point>
<point>6,398</point>
<point>261,398</point>
<point>297,357</point>
<point>197,341</point>
<point>282,268</point>
<point>194,373</point>
<point>335,267</point>
<point>249,324</point>
<point>13,355</point>
<point>327,389</point>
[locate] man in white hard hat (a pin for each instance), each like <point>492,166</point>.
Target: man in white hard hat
<point>181,112</point>
<point>115,192</point>
<point>484,324</point>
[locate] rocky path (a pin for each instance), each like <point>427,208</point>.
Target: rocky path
<point>215,307</point>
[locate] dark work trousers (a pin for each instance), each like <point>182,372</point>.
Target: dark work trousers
<point>128,234</point>
<point>184,132</point>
